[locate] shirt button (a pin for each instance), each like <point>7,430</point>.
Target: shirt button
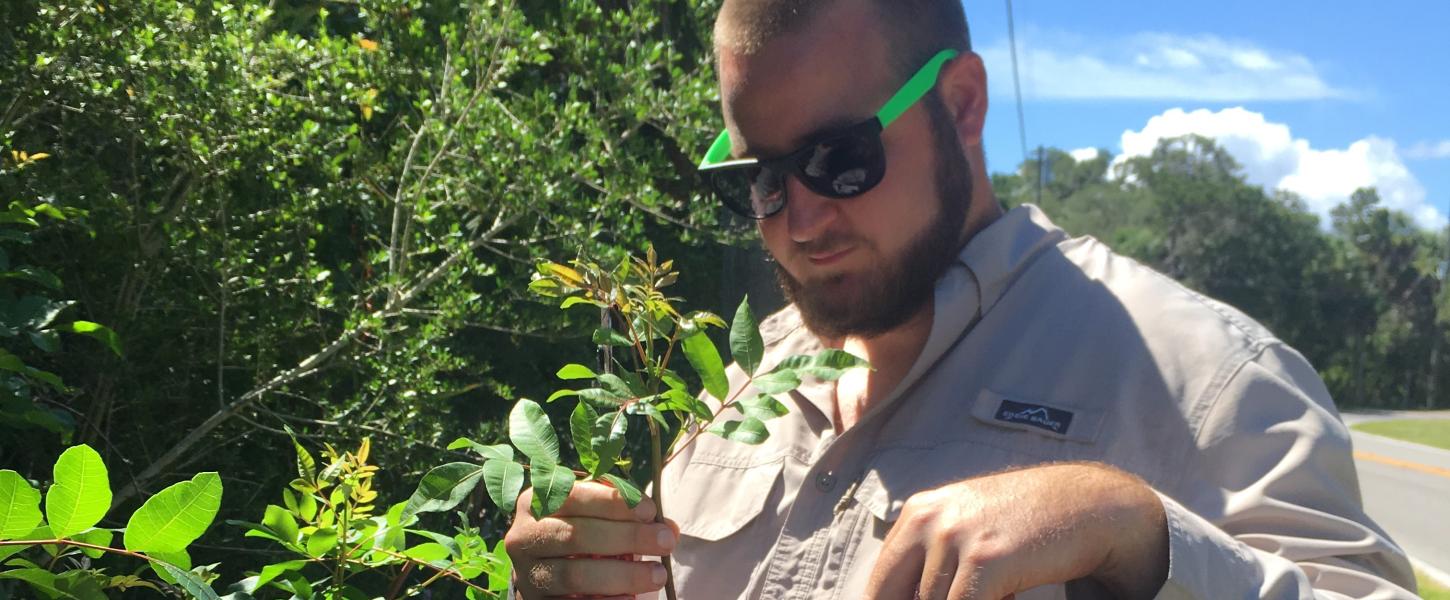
<point>826,482</point>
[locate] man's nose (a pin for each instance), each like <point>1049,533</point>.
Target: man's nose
<point>808,214</point>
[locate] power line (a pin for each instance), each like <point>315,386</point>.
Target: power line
<point>1017,83</point>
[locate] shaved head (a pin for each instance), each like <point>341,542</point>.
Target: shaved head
<point>914,30</point>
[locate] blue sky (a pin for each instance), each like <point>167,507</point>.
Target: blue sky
<point>1315,97</point>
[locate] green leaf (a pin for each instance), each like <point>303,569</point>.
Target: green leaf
<point>41,580</point>
<point>601,396</point>
<point>763,407</point>
<point>648,409</point>
<point>177,559</point>
<point>776,382</point>
<point>306,465</point>
<point>749,431</point>
<point>443,488</point>
<point>499,573</point>
<point>575,371</point>
<point>827,365</point>
<point>703,356</point>
<point>95,536</point>
<point>617,386</point>
<point>608,441</point>
<point>561,394</point>
<point>281,522</point>
<point>99,332</point>
<point>746,346</point>
<point>321,542</point>
<point>81,494</point>
<point>272,571</point>
<point>34,275</point>
<point>701,319</point>
<point>573,301</point>
<point>680,401</point>
<point>11,362</point>
<point>35,312</point>
<point>427,552</point>
<point>49,378</point>
<point>175,517</point>
<point>46,341</point>
<point>607,336</point>
<point>490,452</point>
<point>581,428</point>
<point>84,585</point>
<point>627,489</point>
<point>552,484</point>
<point>531,432</point>
<point>504,480</point>
<point>547,288</point>
<point>19,506</point>
<point>190,583</point>
<point>673,380</point>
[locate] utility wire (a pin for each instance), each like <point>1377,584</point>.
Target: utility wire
<point>1017,83</point>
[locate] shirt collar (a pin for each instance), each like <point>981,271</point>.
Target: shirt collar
<point>985,268</point>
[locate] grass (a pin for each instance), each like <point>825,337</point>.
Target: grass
<point>1431,432</point>
<point>1429,590</point>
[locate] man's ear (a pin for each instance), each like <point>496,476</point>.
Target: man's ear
<point>962,87</point>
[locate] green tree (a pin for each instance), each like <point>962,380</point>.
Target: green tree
<point>317,215</point>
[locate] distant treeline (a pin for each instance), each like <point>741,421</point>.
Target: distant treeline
<point>1362,296</point>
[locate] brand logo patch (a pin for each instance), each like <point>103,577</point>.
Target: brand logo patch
<point>1042,417</point>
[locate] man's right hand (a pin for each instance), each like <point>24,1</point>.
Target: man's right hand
<point>590,547</point>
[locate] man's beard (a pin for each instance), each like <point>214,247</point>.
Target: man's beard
<point>890,293</point>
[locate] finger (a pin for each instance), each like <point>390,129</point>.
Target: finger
<point>938,570</point>
<point>897,571</point>
<point>964,584</point>
<point>594,499</point>
<point>581,536</point>
<point>594,577</point>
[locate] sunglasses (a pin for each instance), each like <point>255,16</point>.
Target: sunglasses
<point>844,163</point>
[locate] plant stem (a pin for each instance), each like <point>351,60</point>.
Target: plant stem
<point>58,542</point>
<point>675,451</point>
<point>658,470</point>
<point>397,585</point>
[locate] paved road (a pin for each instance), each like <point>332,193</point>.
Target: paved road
<point>1406,488</point>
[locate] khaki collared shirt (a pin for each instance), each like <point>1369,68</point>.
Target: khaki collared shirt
<point>1048,348</point>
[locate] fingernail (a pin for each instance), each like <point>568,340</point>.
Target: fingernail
<point>658,574</point>
<point>667,539</point>
<point>644,511</point>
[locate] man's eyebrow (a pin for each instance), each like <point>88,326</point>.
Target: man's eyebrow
<point>831,126</point>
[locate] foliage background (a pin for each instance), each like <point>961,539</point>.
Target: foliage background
<point>322,214</point>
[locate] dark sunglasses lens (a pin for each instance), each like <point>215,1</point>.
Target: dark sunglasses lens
<point>845,166</point>
<point>752,191</point>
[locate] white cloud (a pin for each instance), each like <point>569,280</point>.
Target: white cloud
<point>1154,66</point>
<point>1429,150</point>
<point>1272,157</point>
<point>1084,154</point>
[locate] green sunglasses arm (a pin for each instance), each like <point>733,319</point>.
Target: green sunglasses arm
<point>915,88</point>
<point>719,151</point>
<point>909,94</point>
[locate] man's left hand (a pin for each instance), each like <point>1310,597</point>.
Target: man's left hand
<point>990,537</point>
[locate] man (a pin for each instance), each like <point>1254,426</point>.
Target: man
<point>1043,418</point>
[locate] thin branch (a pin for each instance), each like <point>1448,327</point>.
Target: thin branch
<point>632,201</point>
<point>183,448</point>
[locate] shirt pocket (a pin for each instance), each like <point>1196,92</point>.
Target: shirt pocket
<point>717,496</point>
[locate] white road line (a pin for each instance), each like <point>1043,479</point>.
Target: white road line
<point>1437,575</point>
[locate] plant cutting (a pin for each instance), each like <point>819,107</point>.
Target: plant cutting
<point>642,332</point>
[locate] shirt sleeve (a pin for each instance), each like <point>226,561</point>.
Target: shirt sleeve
<point>1269,504</point>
